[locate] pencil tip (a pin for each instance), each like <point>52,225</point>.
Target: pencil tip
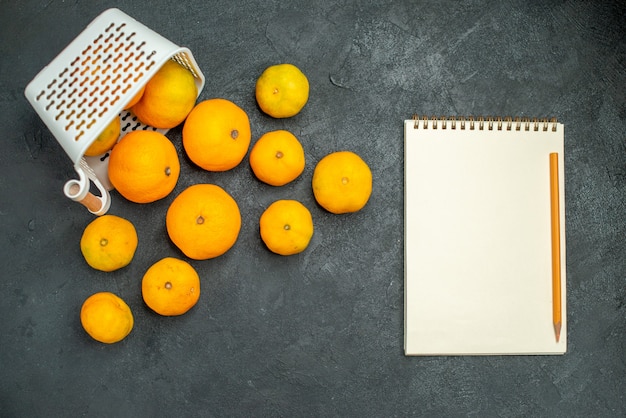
<point>557,330</point>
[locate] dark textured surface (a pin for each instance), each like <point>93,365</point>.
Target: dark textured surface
<point>320,333</point>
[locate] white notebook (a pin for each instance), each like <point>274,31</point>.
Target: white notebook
<point>478,237</point>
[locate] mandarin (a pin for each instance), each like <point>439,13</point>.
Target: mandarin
<point>106,317</point>
<point>109,243</point>
<point>106,140</point>
<point>286,227</point>
<point>168,97</point>
<point>277,158</point>
<point>203,221</point>
<point>342,182</point>
<point>216,135</point>
<point>135,98</point>
<point>282,90</point>
<point>170,287</point>
<point>144,166</point>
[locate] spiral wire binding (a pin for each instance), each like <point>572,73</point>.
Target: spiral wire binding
<point>481,123</point>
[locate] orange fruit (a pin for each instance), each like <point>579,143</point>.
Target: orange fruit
<point>106,317</point>
<point>135,98</point>
<point>277,158</point>
<point>168,97</point>
<point>286,227</point>
<point>144,166</point>
<point>203,221</point>
<point>216,134</point>
<point>106,140</point>
<point>170,287</point>
<point>342,182</point>
<point>109,243</point>
<point>282,90</point>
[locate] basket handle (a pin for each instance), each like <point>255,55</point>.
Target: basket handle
<point>78,190</point>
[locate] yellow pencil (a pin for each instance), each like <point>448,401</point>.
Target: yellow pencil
<point>556,244</point>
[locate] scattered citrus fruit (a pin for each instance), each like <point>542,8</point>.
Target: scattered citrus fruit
<point>282,90</point>
<point>135,98</point>
<point>286,227</point>
<point>203,221</point>
<point>144,166</point>
<point>216,134</point>
<point>108,243</point>
<point>107,138</point>
<point>168,97</point>
<point>277,158</point>
<point>170,287</point>
<point>342,182</point>
<point>106,317</point>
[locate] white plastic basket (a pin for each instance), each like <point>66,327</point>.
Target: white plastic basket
<point>90,82</point>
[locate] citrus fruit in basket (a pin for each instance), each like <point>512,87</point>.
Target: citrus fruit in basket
<point>144,166</point>
<point>203,221</point>
<point>277,158</point>
<point>216,134</point>
<point>168,97</point>
<point>170,287</point>
<point>106,140</point>
<point>135,98</point>
<point>286,227</point>
<point>106,317</point>
<point>282,90</point>
<point>109,243</point>
<point>342,182</point>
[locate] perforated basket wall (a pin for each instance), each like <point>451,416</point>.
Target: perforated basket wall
<point>91,81</point>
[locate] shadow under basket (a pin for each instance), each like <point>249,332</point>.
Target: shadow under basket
<point>89,83</point>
